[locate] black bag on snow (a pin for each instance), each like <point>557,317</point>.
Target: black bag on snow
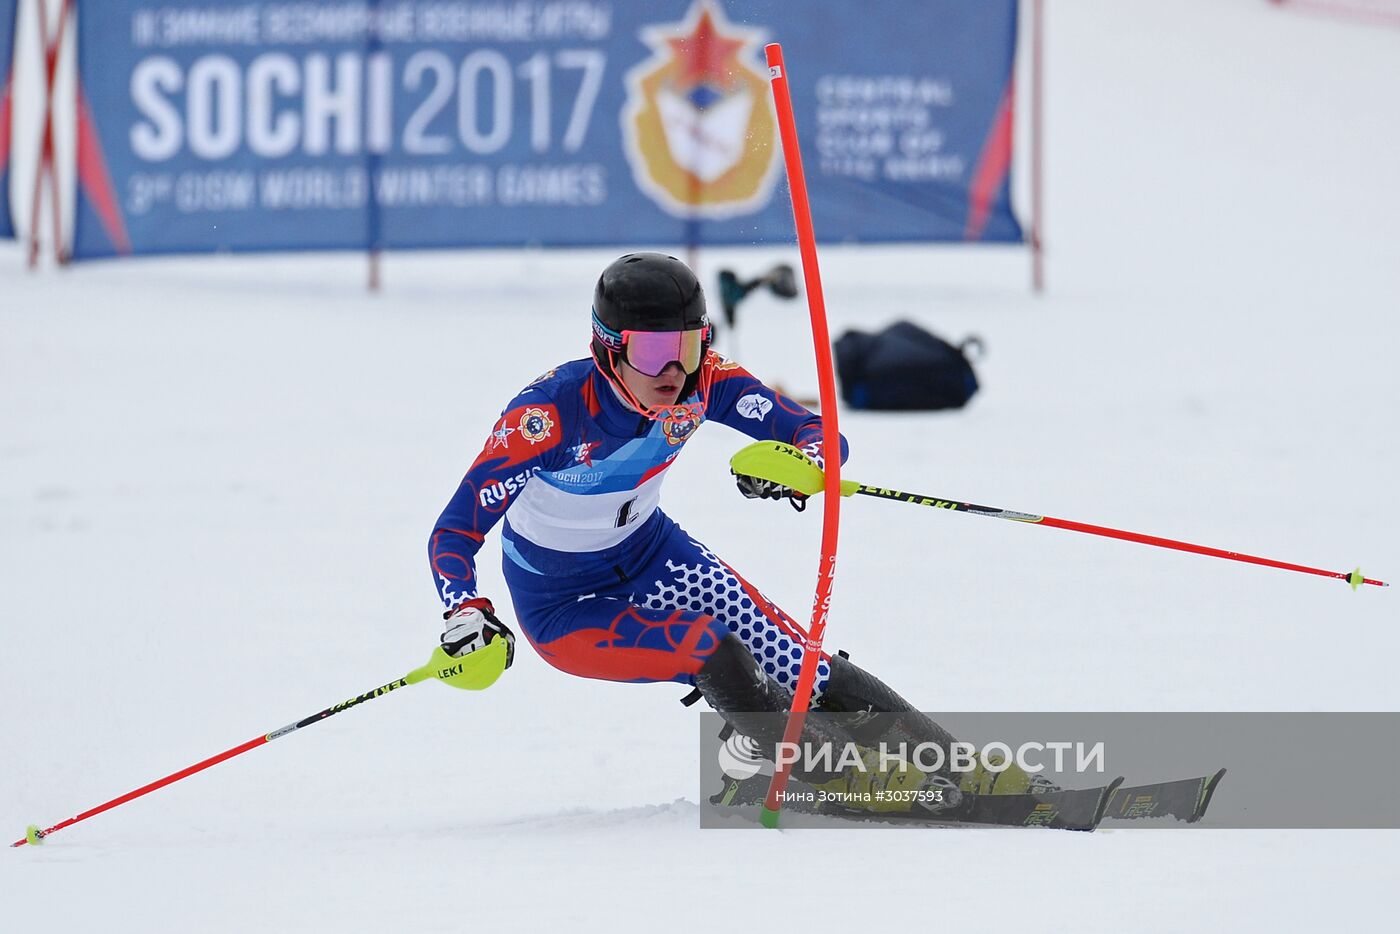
<point>904,368</point>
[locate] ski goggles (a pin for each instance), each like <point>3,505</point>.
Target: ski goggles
<point>650,352</point>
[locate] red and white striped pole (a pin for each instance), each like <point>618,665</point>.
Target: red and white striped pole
<point>50,46</point>
<point>831,437</point>
<point>1037,146</point>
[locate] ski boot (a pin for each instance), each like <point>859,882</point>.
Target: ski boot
<point>1012,780</point>
<point>899,788</point>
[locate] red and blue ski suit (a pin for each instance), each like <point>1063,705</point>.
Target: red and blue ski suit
<point>604,584</point>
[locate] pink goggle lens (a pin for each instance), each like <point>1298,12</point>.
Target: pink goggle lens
<point>650,352</point>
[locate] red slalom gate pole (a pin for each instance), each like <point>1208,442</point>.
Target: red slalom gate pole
<point>831,436</point>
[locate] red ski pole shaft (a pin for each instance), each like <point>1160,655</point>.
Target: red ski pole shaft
<point>413,677</point>
<point>831,437</point>
<point>1354,578</point>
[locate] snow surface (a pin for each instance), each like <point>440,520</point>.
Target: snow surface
<point>217,477</point>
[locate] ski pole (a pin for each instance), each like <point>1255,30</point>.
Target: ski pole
<point>784,464</point>
<point>474,672</point>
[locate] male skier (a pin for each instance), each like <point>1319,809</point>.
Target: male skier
<point>604,584</point>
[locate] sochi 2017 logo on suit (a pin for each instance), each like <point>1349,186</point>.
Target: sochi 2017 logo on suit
<point>698,124</point>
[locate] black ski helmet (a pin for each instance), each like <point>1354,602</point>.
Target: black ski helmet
<point>645,292</point>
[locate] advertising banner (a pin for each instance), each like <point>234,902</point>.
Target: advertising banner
<point>8,9</point>
<point>213,125</point>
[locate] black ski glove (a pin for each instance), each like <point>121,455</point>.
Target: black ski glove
<point>758,488</point>
<point>474,625</point>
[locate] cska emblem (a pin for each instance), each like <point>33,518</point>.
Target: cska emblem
<point>698,125</point>
<point>678,430</point>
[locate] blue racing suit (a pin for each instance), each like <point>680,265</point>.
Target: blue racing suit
<point>604,584</point>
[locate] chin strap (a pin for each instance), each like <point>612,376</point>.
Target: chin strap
<point>681,413</point>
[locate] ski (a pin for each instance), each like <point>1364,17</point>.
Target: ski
<point>1078,809</point>
<point>1184,799</point>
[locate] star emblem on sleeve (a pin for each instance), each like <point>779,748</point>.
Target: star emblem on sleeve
<point>583,452</point>
<point>501,436</point>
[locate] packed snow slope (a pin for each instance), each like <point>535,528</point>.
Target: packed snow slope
<point>217,477</point>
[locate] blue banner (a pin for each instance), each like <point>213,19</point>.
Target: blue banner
<point>8,9</point>
<point>331,124</point>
